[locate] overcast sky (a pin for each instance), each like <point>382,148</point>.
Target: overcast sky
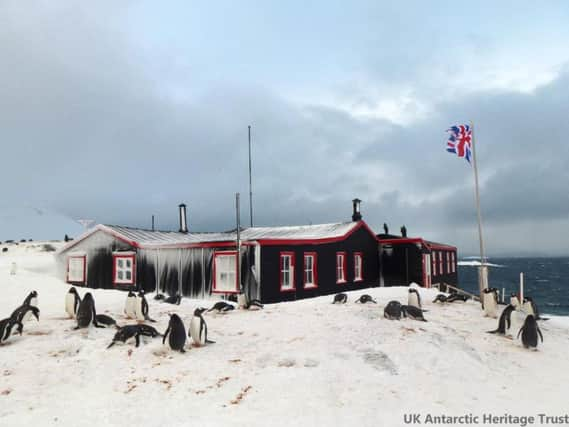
<point>119,110</point>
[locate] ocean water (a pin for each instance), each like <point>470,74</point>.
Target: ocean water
<point>546,280</point>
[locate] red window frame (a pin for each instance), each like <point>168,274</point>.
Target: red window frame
<point>132,280</point>
<point>84,268</point>
<point>314,256</point>
<point>440,262</point>
<point>343,266</point>
<point>214,289</point>
<point>360,256</point>
<point>291,271</point>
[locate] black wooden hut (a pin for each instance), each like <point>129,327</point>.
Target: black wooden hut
<point>404,260</point>
<point>277,263</point>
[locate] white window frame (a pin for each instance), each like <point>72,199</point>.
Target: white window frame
<point>310,271</point>
<point>229,270</point>
<point>73,263</point>
<point>440,263</point>
<point>286,271</point>
<point>123,264</point>
<point>340,267</point>
<point>358,267</point>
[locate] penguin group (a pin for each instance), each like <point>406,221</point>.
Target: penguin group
<point>23,313</point>
<point>529,330</point>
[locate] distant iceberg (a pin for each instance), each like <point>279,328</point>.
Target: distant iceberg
<point>35,223</point>
<point>476,263</point>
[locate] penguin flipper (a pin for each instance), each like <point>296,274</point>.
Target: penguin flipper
<point>519,332</point>
<point>493,332</point>
<point>209,342</point>
<point>137,339</point>
<point>165,335</point>
<point>110,345</point>
<point>540,334</point>
<point>149,319</point>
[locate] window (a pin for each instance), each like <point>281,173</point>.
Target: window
<point>225,272</point>
<point>340,267</point>
<point>440,262</point>
<point>453,265</point>
<point>434,263</point>
<point>287,271</point>
<point>76,269</point>
<point>123,269</point>
<point>448,262</point>
<point>310,280</point>
<point>358,264</point>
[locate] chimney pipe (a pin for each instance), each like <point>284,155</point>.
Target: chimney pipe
<point>356,216</point>
<point>183,219</point>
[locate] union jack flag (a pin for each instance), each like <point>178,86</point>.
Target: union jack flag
<point>460,141</point>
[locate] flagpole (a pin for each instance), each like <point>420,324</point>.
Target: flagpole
<point>483,272</point>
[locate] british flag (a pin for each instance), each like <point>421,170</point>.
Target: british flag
<point>460,141</point>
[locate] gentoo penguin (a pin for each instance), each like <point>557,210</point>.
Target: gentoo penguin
<point>6,326</point>
<point>22,313</point>
<point>365,298</point>
<point>31,300</point>
<point>141,308</point>
<point>392,310</point>
<point>440,298</point>
<point>530,307</point>
<point>222,306</point>
<point>72,301</point>
<point>412,312</point>
<point>133,331</point>
<point>174,299</point>
<point>130,306</point>
<point>414,298</point>
<point>106,321</point>
<point>87,315</point>
<point>529,332</point>
<point>175,333</point>
<point>490,302</point>
<point>457,297</point>
<point>515,301</point>
<point>340,298</point>
<point>198,328</point>
<point>505,321</point>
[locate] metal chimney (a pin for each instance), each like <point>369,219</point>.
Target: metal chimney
<point>356,216</point>
<point>183,219</point>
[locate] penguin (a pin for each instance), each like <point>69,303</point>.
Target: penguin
<point>175,333</point>
<point>414,298</point>
<point>72,301</point>
<point>440,298</point>
<point>87,315</point>
<point>490,302</point>
<point>148,331</point>
<point>505,321</point>
<point>198,328</point>
<point>515,301</point>
<point>222,306</point>
<point>125,333</point>
<point>174,299</point>
<point>22,313</point>
<point>130,305</point>
<point>530,307</point>
<point>412,312</point>
<point>31,299</point>
<point>106,321</point>
<point>340,298</point>
<point>365,298</point>
<point>529,332</point>
<point>141,309</point>
<point>457,297</point>
<point>392,310</point>
<point>6,326</point>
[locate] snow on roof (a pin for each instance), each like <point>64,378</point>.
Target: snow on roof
<point>149,238</point>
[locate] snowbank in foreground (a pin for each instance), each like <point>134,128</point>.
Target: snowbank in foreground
<point>302,363</point>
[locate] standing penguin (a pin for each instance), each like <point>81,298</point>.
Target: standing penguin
<point>505,321</point>
<point>130,306</point>
<point>529,332</point>
<point>515,301</point>
<point>414,298</point>
<point>490,302</point>
<point>22,313</point>
<point>198,328</point>
<point>72,301</point>
<point>175,333</point>
<point>141,308</point>
<point>31,300</point>
<point>530,307</point>
<point>87,315</point>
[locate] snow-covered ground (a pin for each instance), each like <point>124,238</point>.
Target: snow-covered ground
<point>295,364</point>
